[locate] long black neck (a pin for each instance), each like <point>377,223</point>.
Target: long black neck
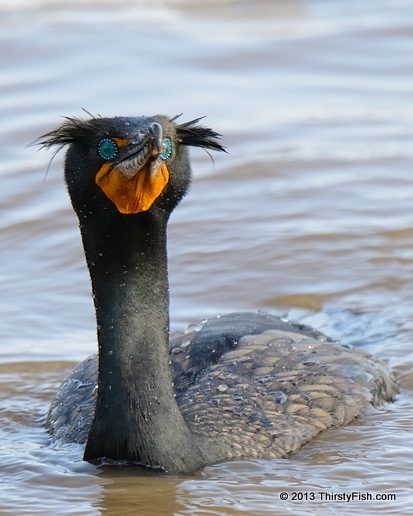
<point>136,417</point>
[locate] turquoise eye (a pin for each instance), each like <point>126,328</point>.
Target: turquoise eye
<point>107,149</point>
<point>166,149</point>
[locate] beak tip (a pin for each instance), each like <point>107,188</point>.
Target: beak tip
<point>157,132</point>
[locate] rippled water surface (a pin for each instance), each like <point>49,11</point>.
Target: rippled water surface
<point>309,214</point>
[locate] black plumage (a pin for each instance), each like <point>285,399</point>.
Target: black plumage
<point>242,385</point>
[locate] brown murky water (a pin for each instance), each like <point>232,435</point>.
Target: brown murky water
<point>309,214</point>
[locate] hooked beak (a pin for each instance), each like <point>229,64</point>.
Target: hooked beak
<point>157,133</point>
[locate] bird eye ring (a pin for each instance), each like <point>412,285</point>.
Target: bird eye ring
<point>107,149</point>
<point>166,149</point>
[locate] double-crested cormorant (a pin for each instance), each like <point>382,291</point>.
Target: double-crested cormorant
<point>243,385</point>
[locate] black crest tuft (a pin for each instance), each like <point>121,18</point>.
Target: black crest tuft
<point>76,129</point>
<point>196,135</point>
<point>72,130</point>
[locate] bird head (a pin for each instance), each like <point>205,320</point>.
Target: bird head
<point>137,163</point>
